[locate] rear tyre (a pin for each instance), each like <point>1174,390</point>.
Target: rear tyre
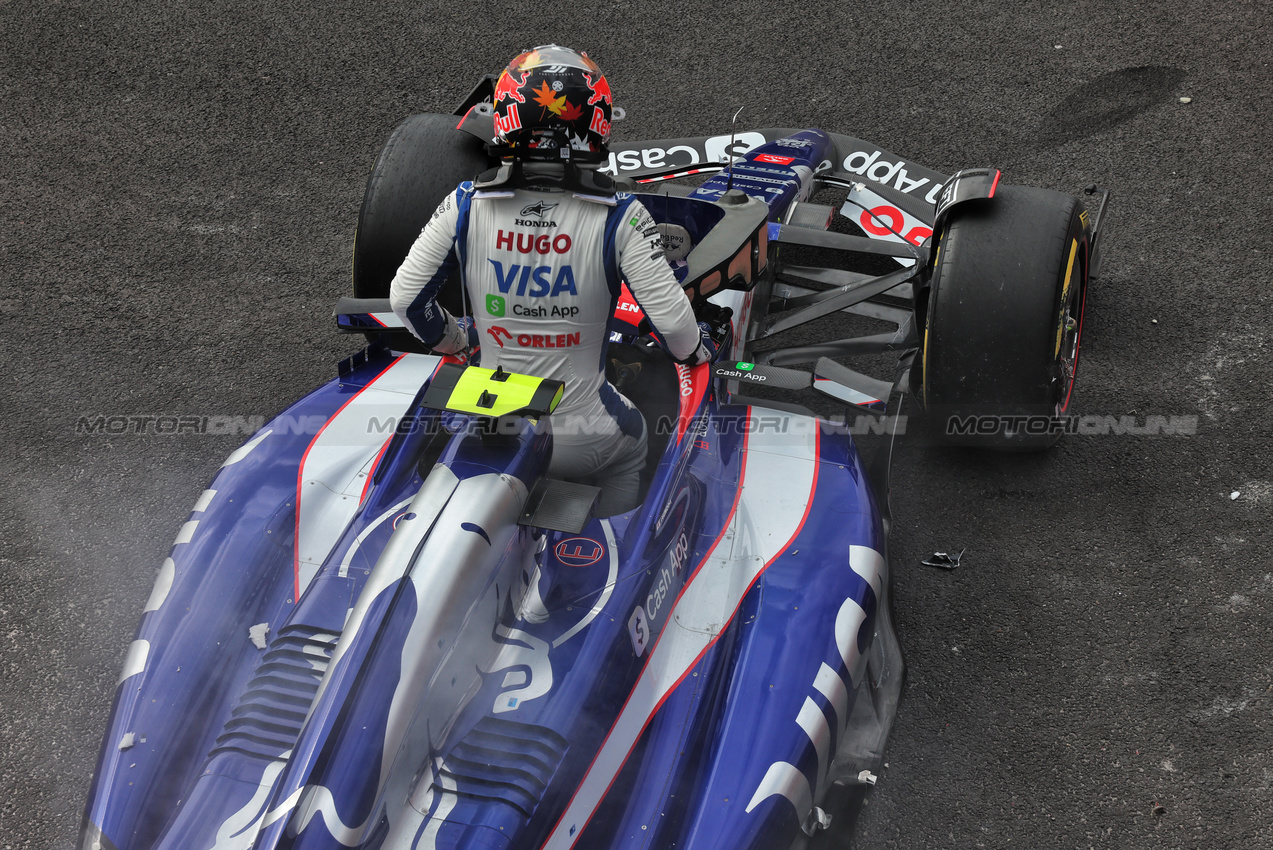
<point>1004,319</point>
<point>424,159</point>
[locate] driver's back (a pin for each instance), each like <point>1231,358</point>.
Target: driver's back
<point>542,285</point>
<point>542,271</point>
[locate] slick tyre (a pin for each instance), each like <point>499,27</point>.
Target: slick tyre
<point>1004,320</point>
<point>424,159</point>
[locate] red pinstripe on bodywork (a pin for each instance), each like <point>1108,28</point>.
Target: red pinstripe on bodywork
<point>711,643</point>
<point>300,478</point>
<point>450,358</point>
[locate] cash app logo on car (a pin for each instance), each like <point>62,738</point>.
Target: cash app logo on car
<point>495,305</point>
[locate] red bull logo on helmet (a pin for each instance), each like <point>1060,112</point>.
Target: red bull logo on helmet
<point>600,90</point>
<point>599,123</point>
<point>505,124</point>
<point>507,87</point>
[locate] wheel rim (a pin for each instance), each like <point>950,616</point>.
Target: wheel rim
<point>1067,362</point>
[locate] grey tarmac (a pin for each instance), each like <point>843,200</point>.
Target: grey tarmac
<point>178,194</point>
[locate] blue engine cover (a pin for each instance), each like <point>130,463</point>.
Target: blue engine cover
<point>355,644</point>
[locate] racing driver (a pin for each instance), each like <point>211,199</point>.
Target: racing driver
<point>542,245</point>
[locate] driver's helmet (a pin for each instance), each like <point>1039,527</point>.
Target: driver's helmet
<point>552,103</point>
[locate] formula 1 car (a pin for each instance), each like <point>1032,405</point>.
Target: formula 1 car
<point>384,626</point>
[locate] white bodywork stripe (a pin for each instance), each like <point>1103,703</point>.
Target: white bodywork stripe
<point>187,532</point>
<point>429,840</point>
<point>849,621</point>
<point>814,723</point>
<point>163,584</point>
<point>520,649</point>
<point>847,624</point>
<point>239,831</point>
<point>343,448</point>
<point>786,780</point>
<point>135,660</point>
<point>205,499</point>
<point>317,799</point>
<point>830,685</point>
<point>869,564</point>
<point>779,474</point>
<point>246,449</point>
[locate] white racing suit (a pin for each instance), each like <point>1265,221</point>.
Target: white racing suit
<point>542,272</point>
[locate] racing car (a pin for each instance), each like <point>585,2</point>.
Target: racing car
<point>385,626</point>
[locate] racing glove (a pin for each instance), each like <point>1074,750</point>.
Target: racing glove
<point>469,326</point>
<point>473,349</point>
<point>710,343</point>
<point>459,338</point>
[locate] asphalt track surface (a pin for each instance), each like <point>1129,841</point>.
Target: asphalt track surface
<point>178,193</point>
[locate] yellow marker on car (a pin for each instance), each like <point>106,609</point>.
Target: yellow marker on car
<point>492,392</point>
